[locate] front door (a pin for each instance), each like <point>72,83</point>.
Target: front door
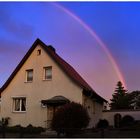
<point>50,113</point>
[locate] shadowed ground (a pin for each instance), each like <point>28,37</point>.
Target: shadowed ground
<point>114,133</point>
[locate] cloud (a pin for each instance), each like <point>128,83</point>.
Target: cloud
<point>10,55</point>
<point>14,26</point>
<point>8,46</point>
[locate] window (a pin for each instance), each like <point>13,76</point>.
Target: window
<point>19,104</point>
<point>38,52</point>
<point>48,73</point>
<point>29,75</point>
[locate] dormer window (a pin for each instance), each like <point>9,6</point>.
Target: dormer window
<point>29,75</point>
<point>39,52</point>
<point>48,73</point>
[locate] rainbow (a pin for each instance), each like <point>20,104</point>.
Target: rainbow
<point>96,37</point>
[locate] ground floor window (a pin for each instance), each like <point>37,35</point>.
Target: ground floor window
<point>19,104</point>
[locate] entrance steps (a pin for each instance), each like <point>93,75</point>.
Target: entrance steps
<point>50,133</point>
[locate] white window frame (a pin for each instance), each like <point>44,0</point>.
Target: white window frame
<point>20,98</point>
<point>44,73</point>
<point>27,75</point>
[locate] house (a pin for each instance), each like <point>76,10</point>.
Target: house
<point>40,84</point>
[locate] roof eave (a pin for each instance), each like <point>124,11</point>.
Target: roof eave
<point>93,95</point>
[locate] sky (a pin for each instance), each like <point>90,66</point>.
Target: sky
<point>99,39</point>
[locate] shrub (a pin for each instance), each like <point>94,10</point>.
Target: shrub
<point>29,129</point>
<point>136,125</point>
<point>32,129</point>
<point>70,118</point>
<point>117,120</point>
<point>5,121</point>
<point>102,124</point>
<point>127,121</point>
<point>13,129</point>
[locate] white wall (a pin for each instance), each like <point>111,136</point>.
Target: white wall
<point>109,115</point>
<point>94,110</point>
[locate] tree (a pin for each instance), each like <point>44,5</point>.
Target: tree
<point>70,118</point>
<point>120,98</point>
<point>135,95</point>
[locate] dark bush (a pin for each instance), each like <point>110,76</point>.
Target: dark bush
<point>32,129</point>
<point>127,121</point>
<point>70,118</point>
<point>102,124</point>
<point>13,129</point>
<point>5,121</point>
<point>117,120</point>
<point>29,129</point>
<point>136,125</point>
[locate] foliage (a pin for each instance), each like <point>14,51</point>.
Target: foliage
<point>127,121</point>
<point>136,125</point>
<point>135,95</point>
<point>13,129</point>
<point>32,129</point>
<point>120,98</point>
<point>102,123</point>
<point>29,129</point>
<point>70,118</point>
<point>5,121</point>
<point>117,120</point>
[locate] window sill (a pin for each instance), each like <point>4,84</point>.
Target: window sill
<point>28,81</point>
<point>19,111</point>
<point>47,79</point>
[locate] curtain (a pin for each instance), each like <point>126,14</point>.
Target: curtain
<point>17,104</point>
<point>23,104</point>
<point>48,73</point>
<point>29,75</point>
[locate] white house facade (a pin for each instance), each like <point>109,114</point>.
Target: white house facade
<point>40,84</point>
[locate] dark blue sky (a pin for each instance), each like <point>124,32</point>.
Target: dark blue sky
<point>117,24</point>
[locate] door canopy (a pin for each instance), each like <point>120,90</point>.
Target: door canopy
<point>55,101</point>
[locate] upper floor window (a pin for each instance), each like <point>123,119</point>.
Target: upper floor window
<point>29,75</point>
<point>19,104</point>
<point>39,52</point>
<point>48,73</point>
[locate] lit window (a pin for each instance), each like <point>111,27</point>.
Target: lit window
<point>19,104</point>
<point>48,73</point>
<point>29,75</point>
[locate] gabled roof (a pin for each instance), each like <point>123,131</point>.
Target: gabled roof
<point>69,70</point>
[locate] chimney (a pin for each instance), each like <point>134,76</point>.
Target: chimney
<point>51,48</point>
